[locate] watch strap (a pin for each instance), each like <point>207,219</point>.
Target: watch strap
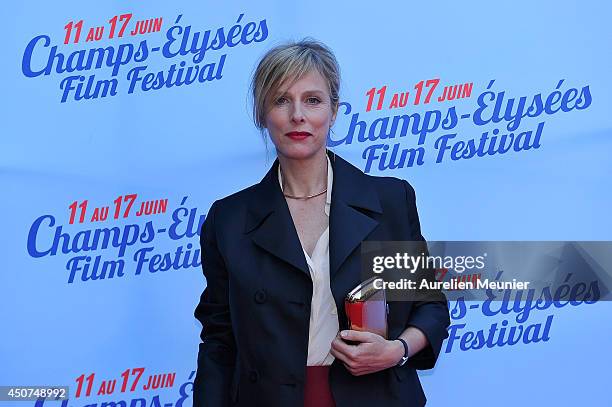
<point>404,358</point>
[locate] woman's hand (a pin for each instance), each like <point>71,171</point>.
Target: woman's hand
<point>371,354</point>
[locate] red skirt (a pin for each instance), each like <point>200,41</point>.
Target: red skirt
<point>317,392</point>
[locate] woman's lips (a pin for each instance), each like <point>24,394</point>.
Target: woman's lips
<point>298,135</point>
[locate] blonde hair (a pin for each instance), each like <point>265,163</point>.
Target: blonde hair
<point>287,63</point>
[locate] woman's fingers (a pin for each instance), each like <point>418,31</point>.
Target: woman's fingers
<point>342,350</point>
<point>359,336</point>
<point>362,358</point>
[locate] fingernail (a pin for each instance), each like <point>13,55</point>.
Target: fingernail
<point>343,333</point>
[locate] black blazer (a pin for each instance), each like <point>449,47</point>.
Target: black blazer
<point>255,310</point>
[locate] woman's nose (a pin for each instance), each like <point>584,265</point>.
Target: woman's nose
<point>297,114</point>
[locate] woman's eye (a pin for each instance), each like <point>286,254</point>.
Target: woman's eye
<point>281,101</point>
<point>313,100</point>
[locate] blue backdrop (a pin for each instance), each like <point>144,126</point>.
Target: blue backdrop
<point>102,126</point>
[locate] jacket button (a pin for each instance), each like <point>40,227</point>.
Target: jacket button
<point>253,376</point>
<point>260,296</point>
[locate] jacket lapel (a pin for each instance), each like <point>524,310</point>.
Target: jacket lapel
<point>271,227</point>
<point>353,196</point>
<point>270,224</point>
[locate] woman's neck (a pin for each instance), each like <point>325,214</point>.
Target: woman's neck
<point>304,177</point>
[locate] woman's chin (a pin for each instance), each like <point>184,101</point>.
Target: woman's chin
<point>300,152</point>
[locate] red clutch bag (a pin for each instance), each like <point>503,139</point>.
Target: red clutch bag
<point>366,308</point>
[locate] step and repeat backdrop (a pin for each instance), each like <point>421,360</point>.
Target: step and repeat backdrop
<point>123,121</point>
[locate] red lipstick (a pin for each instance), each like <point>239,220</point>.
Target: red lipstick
<point>298,135</point>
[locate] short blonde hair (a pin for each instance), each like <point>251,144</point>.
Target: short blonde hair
<point>290,62</point>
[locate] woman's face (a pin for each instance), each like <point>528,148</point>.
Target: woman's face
<point>298,117</point>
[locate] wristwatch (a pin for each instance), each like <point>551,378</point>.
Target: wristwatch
<point>404,358</point>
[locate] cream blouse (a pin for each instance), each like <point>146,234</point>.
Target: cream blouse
<point>323,314</point>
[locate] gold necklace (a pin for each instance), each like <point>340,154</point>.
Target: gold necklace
<point>305,197</point>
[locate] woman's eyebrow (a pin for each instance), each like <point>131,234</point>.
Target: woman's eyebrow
<point>317,92</point>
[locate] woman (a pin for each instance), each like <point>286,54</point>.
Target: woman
<point>279,258</point>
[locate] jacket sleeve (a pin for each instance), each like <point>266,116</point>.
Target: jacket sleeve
<point>217,352</point>
<point>430,316</point>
